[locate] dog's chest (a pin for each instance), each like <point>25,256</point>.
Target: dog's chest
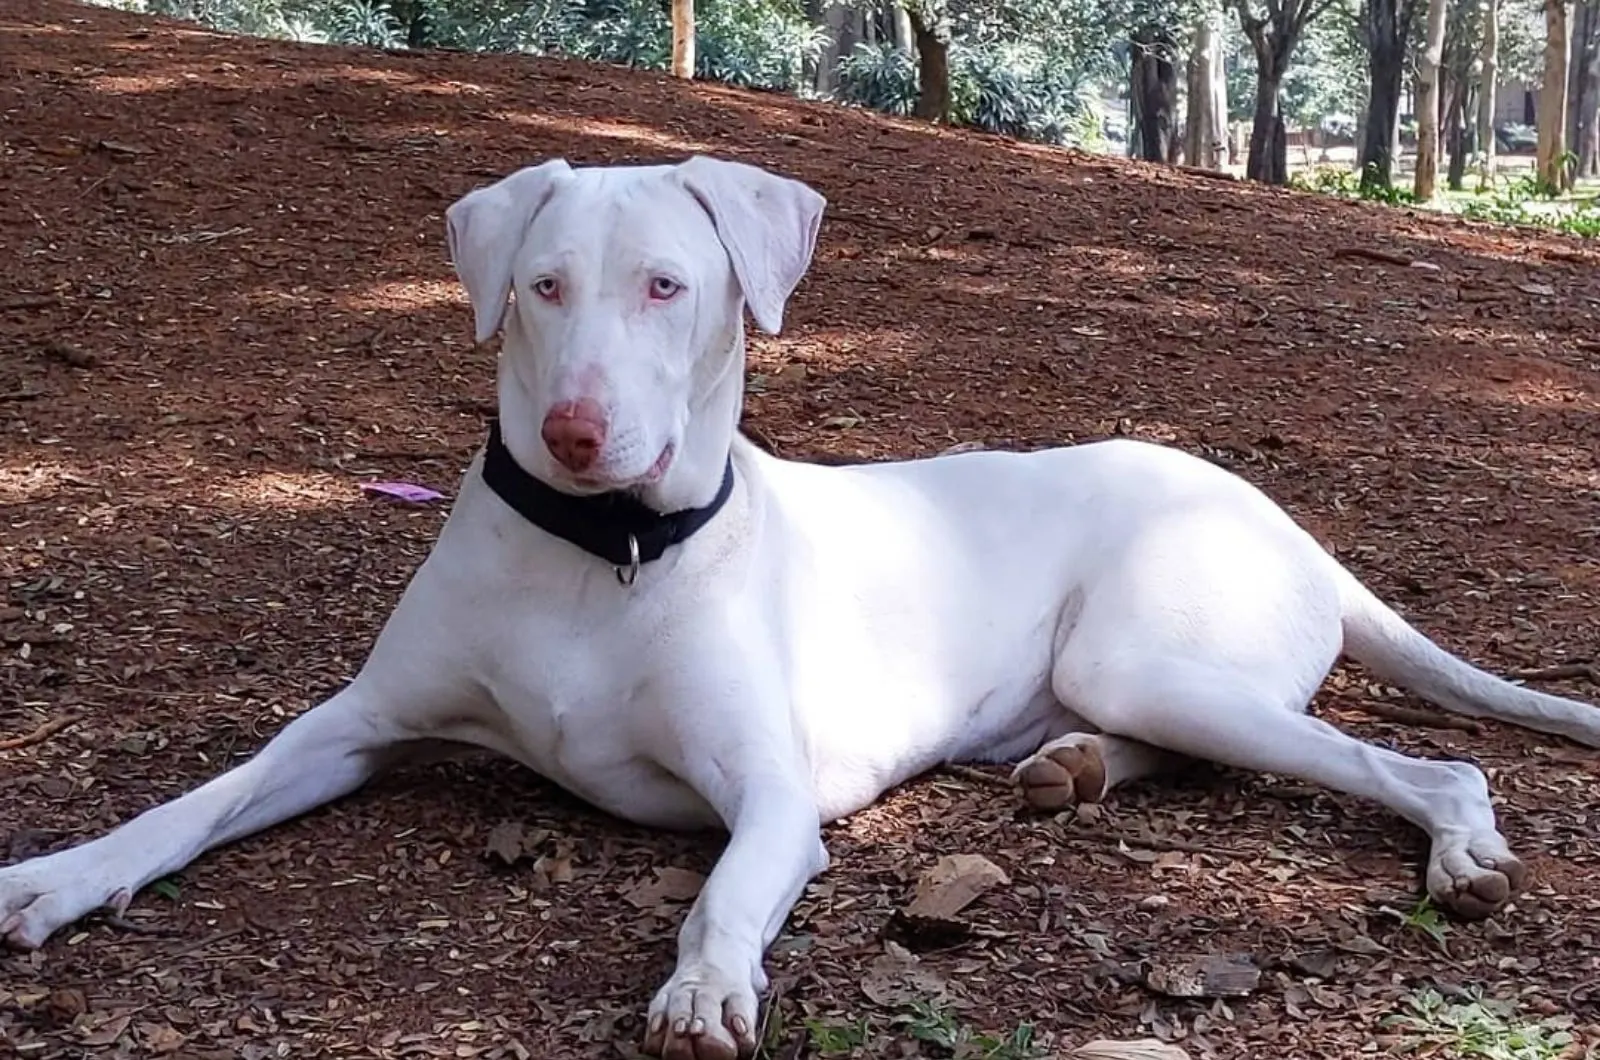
<point>569,704</point>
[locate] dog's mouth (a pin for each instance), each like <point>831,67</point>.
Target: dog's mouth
<point>652,475</point>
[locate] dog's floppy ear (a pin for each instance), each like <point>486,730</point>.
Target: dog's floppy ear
<point>485,228</point>
<point>767,223</point>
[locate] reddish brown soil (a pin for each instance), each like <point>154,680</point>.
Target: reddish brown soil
<point>226,299</point>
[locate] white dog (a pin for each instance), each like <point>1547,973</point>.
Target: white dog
<point>790,640</point>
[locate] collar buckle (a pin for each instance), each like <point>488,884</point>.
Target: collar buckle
<point>629,574</point>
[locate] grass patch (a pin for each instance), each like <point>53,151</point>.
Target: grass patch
<point>1508,200</point>
<point>929,1030</point>
<point>1477,1029</point>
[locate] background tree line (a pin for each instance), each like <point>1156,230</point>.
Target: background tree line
<point>1040,69</point>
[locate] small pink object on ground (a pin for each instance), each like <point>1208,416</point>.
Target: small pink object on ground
<point>405,491</point>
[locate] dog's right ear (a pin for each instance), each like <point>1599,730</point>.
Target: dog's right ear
<point>485,229</point>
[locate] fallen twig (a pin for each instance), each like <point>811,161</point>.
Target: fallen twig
<point>42,733</point>
<point>1579,669</point>
<point>1209,174</point>
<point>1426,719</point>
<point>70,355</point>
<point>1370,254</point>
<point>23,394</point>
<point>1153,842</point>
<point>977,776</point>
<point>29,301</point>
<point>122,923</point>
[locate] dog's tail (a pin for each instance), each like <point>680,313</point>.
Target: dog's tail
<point>1377,637</point>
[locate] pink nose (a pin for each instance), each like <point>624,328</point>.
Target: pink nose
<point>574,431</point>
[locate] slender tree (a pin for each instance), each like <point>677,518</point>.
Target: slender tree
<point>1386,31</point>
<point>1552,168</point>
<point>1428,101</point>
<point>1488,79</point>
<point>1206,119</point>
<point>1273,37</point>
<point>683,38</point>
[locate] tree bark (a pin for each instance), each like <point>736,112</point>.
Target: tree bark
<point>1379,145</point>
<point>1268,160</point>
<point>1552,169</point>
<point>683,39</point>
<point>933,70</point>
<point>1153,93</point>
<point>834,22</point>
<point>1428,102</point>
<point>1207,112</point>
<point>1487,83</point>
<point>1456,132</point>
<point>1386,30</point>
<point>1584,96</point>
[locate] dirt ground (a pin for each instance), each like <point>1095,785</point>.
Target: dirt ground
<point>225,301</point>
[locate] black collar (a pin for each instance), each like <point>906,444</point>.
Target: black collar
<point>617,527</point>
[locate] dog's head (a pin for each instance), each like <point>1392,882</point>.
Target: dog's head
<point>620,292</point>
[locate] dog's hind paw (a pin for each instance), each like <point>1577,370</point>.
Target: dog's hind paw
<point>1063,773</point>
<point>702,1014</point>
<point>1475,880</point>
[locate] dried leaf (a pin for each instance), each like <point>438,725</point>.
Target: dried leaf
<point>1213,975</point>
<point>511,842</point>
<point>108,1032</point>
<point>952,885</point>
<point>555,868</point>
<point>670,885</point>
<point>897,978</point>
<point>1140,1049</point>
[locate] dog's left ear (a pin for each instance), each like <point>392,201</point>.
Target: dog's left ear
<point>485,229</point>
<point>767,223</point>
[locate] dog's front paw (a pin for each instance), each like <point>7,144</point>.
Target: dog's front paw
<point>703,1014</point>
<point>44,894</point>
<point>1474,880</point>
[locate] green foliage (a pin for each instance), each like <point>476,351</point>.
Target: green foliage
<point>1328,75</point>
<point>880,76</point>
<point>940,1028</point>
<point>837,1039</point>
<point>1011,89</point>
<point>1339,180</point>
<point>1518,200</point>
<point>1426,918</point>
<point>1478,1028</point>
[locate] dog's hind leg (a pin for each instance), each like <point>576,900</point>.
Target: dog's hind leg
<point>1083,767</point>
<point>1210,712</point>
<point>321,755</point>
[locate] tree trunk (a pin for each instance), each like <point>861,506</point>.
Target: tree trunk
<point>1268,161</point>
<point>1386,31</point>
<point>1153,93</point>
<point>1487,83</point>
<point>1552,168</point>
<point>1207,114</point>
<point>1379,145</point>
<point>1588,145</point>
<point>1584,97</point>
<point>1428,102</point>
<point>835,18</point>
<point>933,71</point>
<point>683,38</point>
<point>1456,132</point>
<point>905,38</point>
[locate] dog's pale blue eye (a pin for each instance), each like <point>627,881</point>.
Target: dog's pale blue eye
<point>663,288</point>
<point>545,287</point>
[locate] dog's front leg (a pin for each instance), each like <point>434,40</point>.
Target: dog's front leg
<point>707,1010</point>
